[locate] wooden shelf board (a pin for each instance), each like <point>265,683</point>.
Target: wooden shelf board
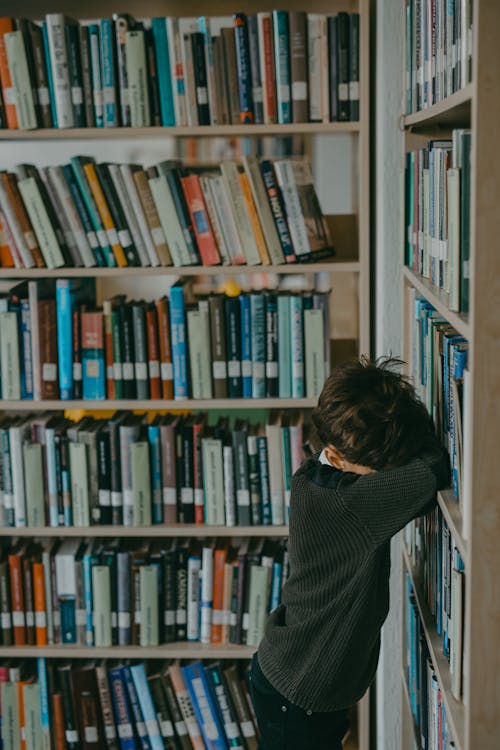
<point>451,511</point>
<point>452,112</point>
<point>104,273</point>
<point>454,709</point>
<point>206,131</point>
<point>151,405</point>
<point>439,299</point>
<point>181,650</point>
<point>157,531</point>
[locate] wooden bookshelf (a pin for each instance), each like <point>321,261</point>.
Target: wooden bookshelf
<point>475,721</point>
<point>352,244</point>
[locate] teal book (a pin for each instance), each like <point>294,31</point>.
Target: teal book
<point>284,348</point>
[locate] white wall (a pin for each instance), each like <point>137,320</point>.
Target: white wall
<point>388,317</point>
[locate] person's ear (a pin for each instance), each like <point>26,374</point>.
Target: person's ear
<point>334,457</point>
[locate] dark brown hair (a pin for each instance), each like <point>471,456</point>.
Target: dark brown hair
<point>372,416</point>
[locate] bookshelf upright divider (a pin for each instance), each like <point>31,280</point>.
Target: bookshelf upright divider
<point>473,521</point>
<point>351,263</point>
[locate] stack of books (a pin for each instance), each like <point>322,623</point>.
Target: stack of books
<point>55,344</point>
<point>426,698</point>
<point>268,67</point>
<point>438,215</point>
<point>439,52</point>
<point>131,592</point>
<point>176,706</point>
<point>85,214</point>
<point>138,470</point>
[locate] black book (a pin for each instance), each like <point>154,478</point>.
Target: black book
<point>343,66</point>
<point>140,350</point>
<point>233,346</point>
<point>108,557</point>
<point>117,214</point>
<point>128,354</point>
<point>33,45</point>
<point>238,595</point>
<point>185,469</point>
<point>72,33</point>
<point>165,720</point>
<point>169,593</point>
<point>253,44</point>
<point>253,476</point>
<point>241,478</point>
<point>113,427</point>
<point>68,707</point>
<point>182,736</point>
<point>200,78</point>
<point>81,209</point>
<point>153,88</point>
<point>271,299</point>
<point>218,342</point>
<point>333,62</point>
<point>104,474</point>
<point>223,703</point>
<point>181,593</point>
<point>354,66</point>
<point>123,23</point>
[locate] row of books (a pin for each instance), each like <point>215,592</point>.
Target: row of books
<point>130,592</point>
<point>439,49</point>
<point>426,699</point>
<point>93,706</point>
<point>55,344</point>
<point>268,67</point>
<point>88,214</point>
<point>441,570</point>
<point>137,470</point>
<point>441,379</point>
<point>438,215</point>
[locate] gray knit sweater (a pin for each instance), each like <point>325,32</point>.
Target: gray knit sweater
<point>321,645</point>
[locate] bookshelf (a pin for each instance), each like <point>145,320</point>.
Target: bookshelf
<point>474,720</point>
<point>349,269</point>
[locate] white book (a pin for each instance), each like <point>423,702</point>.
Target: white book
<point>214,217</point>
<point>456,640</point>
<point>79,484</point>
<point>169,220</point>
<point>257,611</point>
<point>230,175</point>
<point>229,494</point>
<point>42,226</point>
<point>33,475</point>
<point>207,583</point>
<point>128,180</point>
<point>213,481</point>
<point>137,75</point>
<point>227,220</point>
<point>314,352</point>
<point>20,77</point>
<point>276,486</point>
<point>177,71</point>
<point>141,484</point>
<point>296,224</point>
<point>21,240</point>
<point>199,352</point>
<point>59,69</point>
<point>69,238</point>
<point>101,605</point>
<point>69,209</point>
<point>148,587</point>
<point>128,210</point>
<point>9,356</point>
<point>193,597</point>
<point>317,49</point>
<point>16,438</point>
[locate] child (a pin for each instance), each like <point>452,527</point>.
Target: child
<point>380,467</point>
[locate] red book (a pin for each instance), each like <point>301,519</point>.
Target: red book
<point>7,25</point>
<point>165,348</point>
<point>6,257</point>
<point>47,337</point>
<point>201,223</point>
<point>220,555</point>
<point>153,352</point>
<point>267,68</point>
<point>17,599</point>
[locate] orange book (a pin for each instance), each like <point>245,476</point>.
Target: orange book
<point>6,259</point>
<point>17,599</point>
<point>58,722</point>
<point>108,348</point>
<point>153,352</point>
<point>201,223</point>
<point>22,713</point>
<point>40,606</point>
<point>6,25</point>
<point>254,219</point>
<point>14,197</point>
<point>166,370</point>
<point>104,213</point>
<point>186,707</point>
<point>220,556</point>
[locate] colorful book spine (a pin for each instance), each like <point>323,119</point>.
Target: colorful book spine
<point>243,67</point>
<point>161,42</point>
<point>64,337</point>
<point>107,37</point>
<point>282,57</point>
<point>179,343</point>
<point>93,359</point>
<point>246,345</point>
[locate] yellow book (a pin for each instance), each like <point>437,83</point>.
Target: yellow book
<point>254,219</point>
<point>106,218</point>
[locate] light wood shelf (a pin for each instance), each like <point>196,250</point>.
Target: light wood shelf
<point>178,650</point>
<point>452,112</point>
<point>451,511</point>
<point>156,531</point>
<point>439,299</point>
<point>162,405</point>
<point>455,713</point>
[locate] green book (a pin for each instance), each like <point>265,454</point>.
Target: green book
<point>141,484</point>
<point>79,484</point>
<point>199,351</point>
<point>284,348</point>
<point>33,484</point>
<point>314,352</point>
<point>11,735</point>
<point>32,716</point>
<point>148,586</point>
<point>213,481</point>
<point>259,594</point>
<point>101,601</point>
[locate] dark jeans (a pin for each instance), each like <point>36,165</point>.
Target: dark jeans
<point>284,726</point>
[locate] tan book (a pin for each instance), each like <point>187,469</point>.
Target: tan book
<point>261,202</point>
<point>148,205</point>
<point>254,218</point>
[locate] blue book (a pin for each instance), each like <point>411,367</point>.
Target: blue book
<point>179,344</point>
<point>296,334</point>
<point>67,612</point>
<point>135,708</point>
<point>160,37</point>
<point>44,701</point>
<point>459,364</point>
<point>258,328</point>
<point>203,705</point>
<point>276,576</point>
<point>27,363</point>
<point>64,315</point>
<point>146,705</point>
<point>246,345</point>
<point>50,80</point>
<point>281,36</point>
<point>108,73</point>
<point>83,214</point>
<point>96,74</point>
<point>155,460</point>
<point>224,706</point>
<point>243,67</point>
<point>284,350</point>
<point>265,492</point>
<point>122,712</point>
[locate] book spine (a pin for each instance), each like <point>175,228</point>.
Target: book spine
<point>147,707</point>
<point>161,253</point>
<point>343,65</point>
<point>122,24</point>
<point>219,354</point>
<point>233,346</point>
<point>282,65</point>
<point>296,224</point>
<point>92,210</point>
<point>140,351</point>
<point>86,75</point>
<point>243,67</point>
<point>178,342</point>
<point>354,66</point>
<point>242,483</point>
<point>10,375</point>
<point>277,209</point>
<point>299,84</point>
<point>253,45</point>
<point>193,596</point>
<point>96,75</point>
<point>253,479</point>
<point>64,338</point>
<point>17,600</point>
<point>122,712</point>
<point>271,344</point>
<point>101,596</point>
<point>200,78</point>
<point>137,76</point>
<point>229,489</point>
<point>165,79</point>
<point>165,349</point>
<point>199,353</point>
<point>108,73</point>
<point>178,72</point>
<point>297,346</point>
<point>199,692</point>
<point>149,632</point>
<point>200,221</point>
<point>72,37</point>
<point>108,720</point>
<point>267,67</point>
<point>264,480</point>
<point>41,222</point>
<point>246,345</point>
<point>20,77</point>
<point>60,70</point>
<point>33,477</point>
<point>213,481</point>
<point>258,328</point>
<point>16,454</point>
<point>6,27</point>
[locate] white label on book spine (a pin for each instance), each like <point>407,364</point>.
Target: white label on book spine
<point>243,497</point>
<point>299,91</point>
<point>219,370</point>
<point>9,95</point>
<point>102,237</point>
<point>110,732</point>
<point>181,616</point>
<point>91,734</point>
<point>158,236</point>
<point>154,368</point>
<point>202,94</point>
<point>246,368</point>
<point>257,94</point>
<point>105,498</point>
<point>30,240</point>
<point>234,368</point>
<point>128,371</point>
<point>43,96</point>
<point>169,617</point>
<point>125,238</point>
<point>258,369</point>
<point>343,92</point>
<point>117,370</point>
<point>109,372</point>
<point>247,729</point>
<point>40,619</point>
<point>169,496</point>
<point>217,617</point>
<point>76,95</point>
<point>123,619</point>
<point>186,495</point>
<point>167,729</point>
<point>284,93</point>
<point>231,730</point>
<point>466,269</point>
<point>81,617</point>
<point>167,372</point>
<point>141,371</point>
<point>92,238</point>
<point>354,90</point>
<point>97,97</point>
<point>297,369</point>
<point>108,94</point>
<point>152,727</point>
<point>30,619</point>
<point>71,735</point>
<point>113,236</point>
<point>116,499</point>
<point>198,497</point>
<point>49,372</point>
<point>181,728</point>
<point>6,620</point>
<point>125,731</point>
<point>271,369</point>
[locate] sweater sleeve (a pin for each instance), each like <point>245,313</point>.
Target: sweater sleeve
<point>385,501</point>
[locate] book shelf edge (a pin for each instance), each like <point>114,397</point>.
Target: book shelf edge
<point>438,299</point>
<point>446,107</point>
